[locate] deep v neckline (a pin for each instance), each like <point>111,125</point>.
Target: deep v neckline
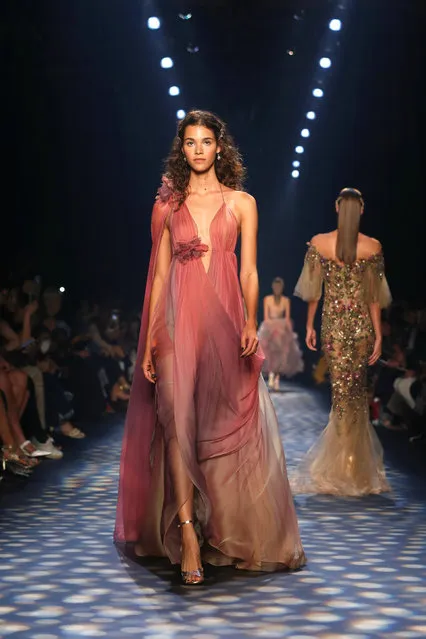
<point>211,221</point>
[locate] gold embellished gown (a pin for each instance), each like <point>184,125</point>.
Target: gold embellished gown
<point>347,459</point>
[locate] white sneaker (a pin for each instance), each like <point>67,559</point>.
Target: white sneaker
<point>50,448</point>
<point>33,451</point>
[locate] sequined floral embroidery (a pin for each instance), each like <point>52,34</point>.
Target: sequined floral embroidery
<point>347,333</point>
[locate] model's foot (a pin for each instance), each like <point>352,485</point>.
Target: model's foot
<point>191,567</point>
<point>277,382</point>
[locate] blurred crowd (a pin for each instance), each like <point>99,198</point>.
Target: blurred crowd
<point>398,381</point>
<point>398,400</point>
<point>60,368</point>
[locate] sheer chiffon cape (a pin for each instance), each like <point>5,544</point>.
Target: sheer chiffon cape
<point>135,472</point>
<point>215,405</point>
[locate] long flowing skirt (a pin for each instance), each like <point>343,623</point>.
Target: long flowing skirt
<point>347,458</point>
<point>280,346</point>
<point>343,461</point>
<point>211,420</point>
<point>214,412</point>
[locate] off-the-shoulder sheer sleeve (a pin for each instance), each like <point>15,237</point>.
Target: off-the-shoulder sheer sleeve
<point>375,283</point>
<point>309,286</point>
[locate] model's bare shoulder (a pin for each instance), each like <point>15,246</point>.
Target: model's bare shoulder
<point>319,240</point>
<point>244,199</point>
<point>370,245</point>
<point>376,245</point>
<point>244,207</point>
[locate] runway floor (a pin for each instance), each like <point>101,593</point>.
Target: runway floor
<point>61,576</point>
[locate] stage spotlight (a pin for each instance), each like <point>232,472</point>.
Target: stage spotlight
<point>185,16</point>
<point>192,48</point>
<point>325,63</point>
<point>317,93</point>
<point>296,164</point>
<point>305,133</point>
<point>174,91</point>
<point>62,289</point>
<point>299,149</point>
<point>311,115</point>
<point>154,23</point>
<point>335,25</point>
<point>295,173</point>
<point>166,63</point>
<point>290,51</point>
<point>180,114</point>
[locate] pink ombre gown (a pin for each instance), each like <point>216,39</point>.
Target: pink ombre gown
<point>214,404</point>
<point>280,346</point>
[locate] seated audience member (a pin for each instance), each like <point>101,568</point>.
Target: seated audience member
<point>58,401</point>
<point>84,381</point>
<point>52,307</point>
<point>11,455</point>
<point>18,405</point>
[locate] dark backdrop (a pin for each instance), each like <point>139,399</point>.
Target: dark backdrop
<point>87,122</point>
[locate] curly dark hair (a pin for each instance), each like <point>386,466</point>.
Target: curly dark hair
<point>229,169</point>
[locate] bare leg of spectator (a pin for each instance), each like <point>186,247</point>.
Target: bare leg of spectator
<point>18,379</point>
<point>6,434</point>
<point>11,454</point>
<point>13,416</point>
<point>37,376</point>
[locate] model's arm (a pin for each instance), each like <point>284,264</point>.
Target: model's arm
<point>311,335</point>
<point>248,273</point>
<point>309,289</point>
<point>374,309</point>
<point>162,266</point>
<point>265,309</point>
<point>312,311</point>
<point>375,318</point>
<point>377,295</point>
<point>288,311</point>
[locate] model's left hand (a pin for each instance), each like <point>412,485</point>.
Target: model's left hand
<point>249,340</point>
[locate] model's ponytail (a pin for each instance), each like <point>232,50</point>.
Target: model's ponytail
<point>349,209</point>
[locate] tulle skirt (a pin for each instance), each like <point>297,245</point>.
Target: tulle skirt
<point>347,459</point>
<point>280,346</point>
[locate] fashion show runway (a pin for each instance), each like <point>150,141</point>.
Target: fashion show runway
<point>61,575</point>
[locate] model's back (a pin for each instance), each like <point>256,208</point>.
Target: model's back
<point>347,458</point>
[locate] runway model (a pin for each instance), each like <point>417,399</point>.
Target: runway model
<point>278,341</point>
<point>203,474</point>
<point>348,457</point>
